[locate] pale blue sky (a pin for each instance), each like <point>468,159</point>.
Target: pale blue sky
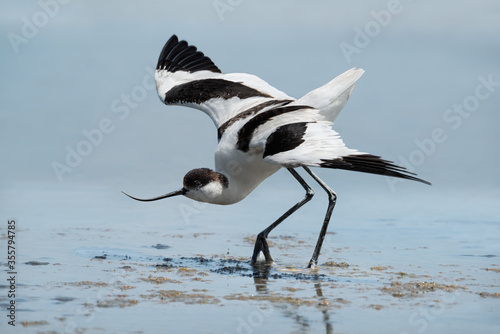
<point>70,73</point>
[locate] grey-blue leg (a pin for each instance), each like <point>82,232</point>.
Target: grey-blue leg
<point>332,199</point>
<point>261,242</point>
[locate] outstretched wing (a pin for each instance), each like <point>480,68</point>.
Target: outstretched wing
<point>185,76</point>
<point>179,56</point>
<point>317,144</point>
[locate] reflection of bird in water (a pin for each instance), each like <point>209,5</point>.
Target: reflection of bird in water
<point>261,277</point>
<point>260,130</point>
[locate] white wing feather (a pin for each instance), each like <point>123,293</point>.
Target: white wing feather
<point>321,142</point>
<point>330,98</point>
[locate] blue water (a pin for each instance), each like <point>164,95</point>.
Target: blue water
<point>80,81</point>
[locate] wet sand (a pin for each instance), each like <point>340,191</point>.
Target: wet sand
<point>152,281</point>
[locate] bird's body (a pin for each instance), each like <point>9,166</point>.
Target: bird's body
<point>260,130</point>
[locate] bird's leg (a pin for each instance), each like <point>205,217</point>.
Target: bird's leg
<point>261,242</point>
<point>261,245</point>
<point>332,199</point>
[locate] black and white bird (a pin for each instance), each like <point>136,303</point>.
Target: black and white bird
<point>260,130</point>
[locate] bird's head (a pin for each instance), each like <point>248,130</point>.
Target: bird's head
<point>200,184</point>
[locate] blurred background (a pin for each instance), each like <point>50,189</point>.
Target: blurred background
<point>81,121</point>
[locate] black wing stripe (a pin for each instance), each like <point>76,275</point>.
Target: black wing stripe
<point>246,132</point>
<point>247,113</point>
<point>367,163</point>
<point>179,56</point>
<point>285,138</point>
<point>201,91</point>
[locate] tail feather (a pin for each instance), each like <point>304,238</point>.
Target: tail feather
<point>368,163</point>
<point>330,98</point>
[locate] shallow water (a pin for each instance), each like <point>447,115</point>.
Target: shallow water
<point>102,271</point>
<point>404,258</point>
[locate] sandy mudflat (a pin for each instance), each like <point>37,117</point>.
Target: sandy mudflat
<point>161,280</point>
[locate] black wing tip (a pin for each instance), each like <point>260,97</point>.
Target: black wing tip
<point>173,39</point>
<point>180,56</point>
<point>368,163</point>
